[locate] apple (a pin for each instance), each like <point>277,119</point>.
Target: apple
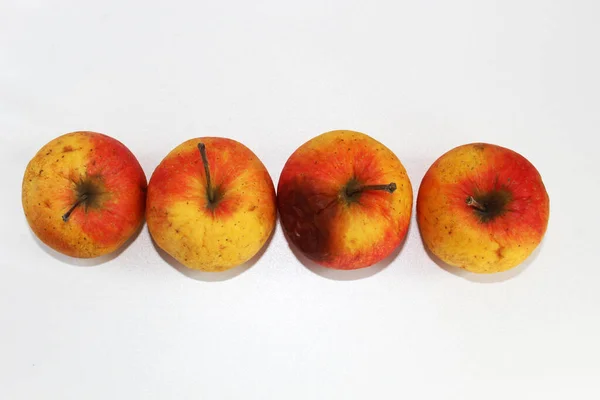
<point>211,204</point>
<point>344,200</point>
<point>84,194</point>
<point>482,207</point>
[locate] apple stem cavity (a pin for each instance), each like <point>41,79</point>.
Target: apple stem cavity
<point>390,188</point>
<point>471,202</point>
<point>210,193</point>
<point>80,200</point>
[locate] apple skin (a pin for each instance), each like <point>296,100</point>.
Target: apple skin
<point>466,237</point>
<point>195,232</point>
<point>65,168</point>
<point>322,221</point>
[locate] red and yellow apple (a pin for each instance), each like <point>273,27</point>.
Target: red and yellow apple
<point>344,200</point>
<point>211,204</point>
<point>84,194</point>
<point>482,207</point>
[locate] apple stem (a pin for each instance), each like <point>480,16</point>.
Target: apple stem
<point>390,188</point>
<point>471,202</point>
<point>209,189</point>
<point>80,200</point>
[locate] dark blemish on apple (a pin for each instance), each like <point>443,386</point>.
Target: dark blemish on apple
<point>499,252</point>
<point>67,149</point>
<point>307,217</point>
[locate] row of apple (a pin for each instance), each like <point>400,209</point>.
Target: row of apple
<point>344,199</point>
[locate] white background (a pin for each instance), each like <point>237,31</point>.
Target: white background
<point>420,76</point>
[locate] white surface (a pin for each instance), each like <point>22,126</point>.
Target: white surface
<point>420,76</point>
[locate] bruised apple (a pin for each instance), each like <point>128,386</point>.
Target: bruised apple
<point>344,200</point>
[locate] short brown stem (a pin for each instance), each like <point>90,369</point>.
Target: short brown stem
<point>80,200</point>
<point>390,188</point>
<point>471,202</point>
<point>210,193</point>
